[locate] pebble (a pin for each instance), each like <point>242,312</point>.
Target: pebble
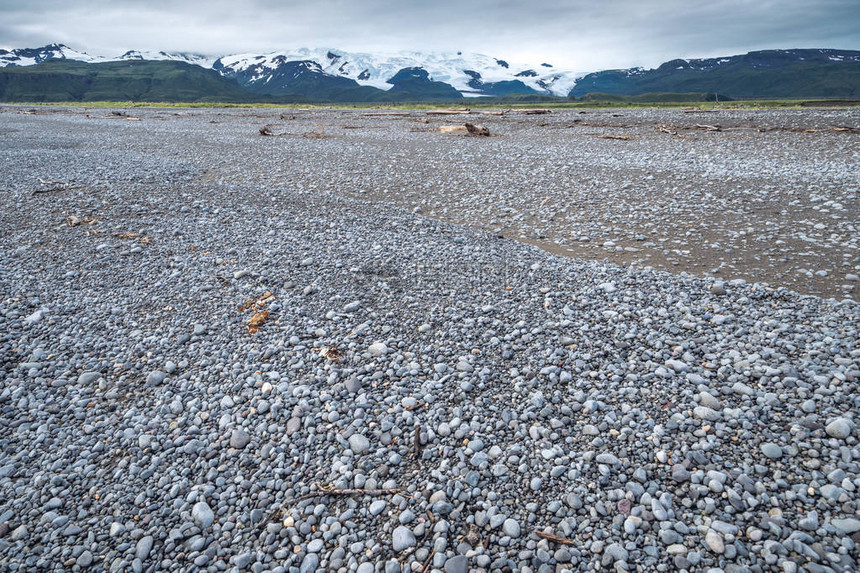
<point>359,444</point>
<point>715,542</point>
<point>771,450</point>
<point>849,525</point>
<point>144,546</point>
<point>402,538</point>
<point>511,528</point>
<point>202,514</point>
<point>239,439</point>
<point>155,378</point>
<point>840,428</point>
<point>377,349</point>
<point>636,412</point>
<point>457,564</point>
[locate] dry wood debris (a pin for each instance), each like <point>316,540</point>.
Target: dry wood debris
<point>555,538</point>
<point>261,315</point>
<point>132,236</point>
<point>479,130</point>
<point>462,111</point>
<point>73,221</point>
<point>51,186</point>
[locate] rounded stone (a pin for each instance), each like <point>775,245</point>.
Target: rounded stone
<point>771,450</point>
<point>239,439</point>
<point>202,514</point>
<point>840,428</point>
<point>511,528</point>
<point>402,538</point>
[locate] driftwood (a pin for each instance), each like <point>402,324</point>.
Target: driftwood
<point>371,492</point>
<point>257,321</point>
<point>479,130</point>
<point>387,114</point>
<point>709,127</point>
<point>536,111</point>
<point>470,128</point>
<point>114,115</point>
<point>266,131</point>
<point>73,221</point>
<point>462,111</point>
<point>52,186</point>
<point>416,440</point>
<point>556,538</point>
<point>621,137</point>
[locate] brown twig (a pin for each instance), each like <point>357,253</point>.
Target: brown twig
<point>416,442</point>
<point>52,186</point>
<point>372,492</point>
<point>426,566</point>
<point>556,538</point>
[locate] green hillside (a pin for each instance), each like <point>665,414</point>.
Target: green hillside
<point>145,81</point>
<point>757,75</point>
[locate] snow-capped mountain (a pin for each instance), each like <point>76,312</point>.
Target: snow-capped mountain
<point>795,73</point>
<point>197,59</point>
<point>33,56</point>
<point>332,75</point>
<point>470,74</point>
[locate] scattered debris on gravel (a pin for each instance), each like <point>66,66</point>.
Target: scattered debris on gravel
<point>425,395</point>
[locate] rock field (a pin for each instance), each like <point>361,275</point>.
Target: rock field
<point>333,349</point>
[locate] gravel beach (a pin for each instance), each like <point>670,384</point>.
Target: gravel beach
<point>364,345</point>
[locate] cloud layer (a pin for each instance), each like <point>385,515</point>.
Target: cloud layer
<point>575,34</point>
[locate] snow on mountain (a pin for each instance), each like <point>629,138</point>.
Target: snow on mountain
<point>471,74</point>
<point>465,72</point>
<point>33,56</point>
<point>197,59</point>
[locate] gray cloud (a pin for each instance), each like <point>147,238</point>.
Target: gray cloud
<point>576,34</point>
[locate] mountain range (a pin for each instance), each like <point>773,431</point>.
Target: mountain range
<point>327,74</point>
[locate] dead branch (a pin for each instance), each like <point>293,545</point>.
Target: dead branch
<point>536,111</point>
<point>73,221</point>
<point>255,303</point>
<point>427,562</point>
<point>462,111</point>
<point>452,128</point>
<point>387,114</point>
<point>556,538</point>
<point>709,127</point>
<point>331,353</point>
<point>371,492</point>
<point>416,441</point>
<point>316,134</point>
<point>266,131</point>
<point>141,238</point>
<point>52,186</point>
<point>620,137</point>
<point>114,115</point>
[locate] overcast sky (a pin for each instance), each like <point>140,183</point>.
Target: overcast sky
<point>580,35</point>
